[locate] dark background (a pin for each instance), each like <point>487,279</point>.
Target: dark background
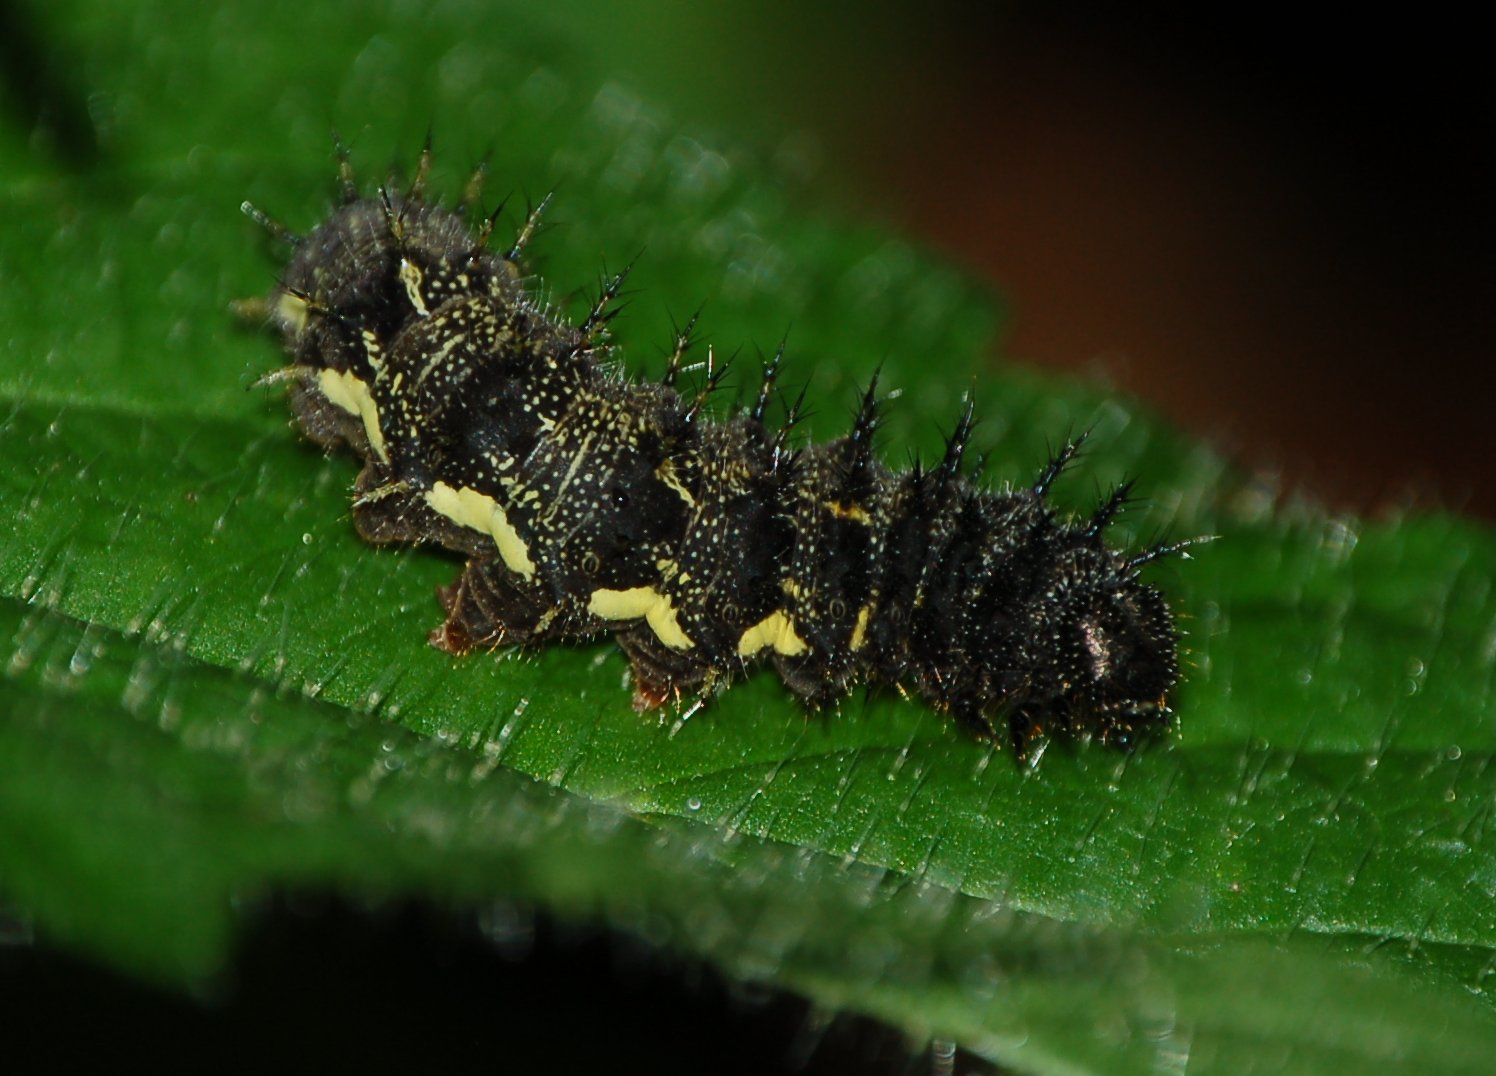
<point>322,985</point>
<point>1276,228</point>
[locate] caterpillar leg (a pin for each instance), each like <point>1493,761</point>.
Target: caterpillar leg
<point>664,676</point>
<point>487,606</point>
<point>388,511</point>
<point>385,512</point>
<point>322,422</point>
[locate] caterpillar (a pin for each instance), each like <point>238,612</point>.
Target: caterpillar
<point>586,503</point>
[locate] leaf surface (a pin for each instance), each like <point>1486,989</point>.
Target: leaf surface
<point>213,689</point>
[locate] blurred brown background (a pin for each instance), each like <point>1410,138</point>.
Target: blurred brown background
<point>1276,230</point>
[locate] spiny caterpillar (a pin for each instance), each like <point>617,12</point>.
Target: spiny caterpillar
<point>587,504</point>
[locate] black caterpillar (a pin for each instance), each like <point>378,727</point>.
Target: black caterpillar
<point>586,503</point>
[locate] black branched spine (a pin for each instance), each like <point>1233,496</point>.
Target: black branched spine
<point>586,504</point>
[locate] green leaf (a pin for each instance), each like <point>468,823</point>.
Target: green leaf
<point>213,689</point>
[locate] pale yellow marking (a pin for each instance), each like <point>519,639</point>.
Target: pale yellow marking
<point>439,356</point>
<point>776,631</point>
<point>410,276</point>
<point>646,602</point>
<point>842,510</point>
<point>666,474</point>
<point>374,351</point>
<point>859,630</point>
<point>571,473</point>
<point>291,312</point>
<point>482,513</point>
<point>344,390</point>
